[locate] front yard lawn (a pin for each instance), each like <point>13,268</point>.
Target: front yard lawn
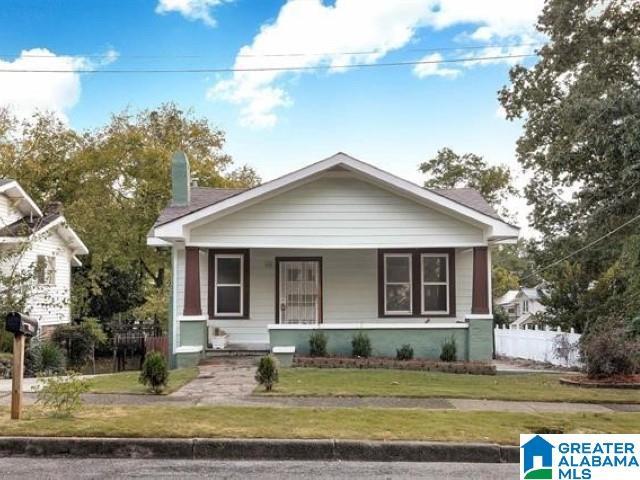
<point>400,383</point>
<point>341,423</point>
<point>127,382</point>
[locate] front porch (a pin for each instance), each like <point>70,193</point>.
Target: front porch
<point>266,297</point>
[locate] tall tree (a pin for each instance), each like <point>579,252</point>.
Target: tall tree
<point>581,110</point>
<point>451,170</point>
<point>114,181</point>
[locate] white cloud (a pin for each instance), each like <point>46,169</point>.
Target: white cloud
<point>427,69</point>
<point>375,26</point>
<point>26,92</point>
<point>191,9</point>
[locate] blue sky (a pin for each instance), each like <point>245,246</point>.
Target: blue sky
<point>393,117</point>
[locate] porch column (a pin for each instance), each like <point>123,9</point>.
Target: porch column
<point>192,282</point>
<point>480,297</point>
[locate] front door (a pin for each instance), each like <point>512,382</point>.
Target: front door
<point>299,290</point>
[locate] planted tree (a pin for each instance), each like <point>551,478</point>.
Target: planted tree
<point>267,373</point>
<point>155,373</point>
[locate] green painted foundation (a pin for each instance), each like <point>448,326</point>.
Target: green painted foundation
<point>193,334</point>
<point>184,360</point>
<point>473,343</point>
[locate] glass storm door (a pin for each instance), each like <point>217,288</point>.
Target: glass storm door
<point>299,291</point>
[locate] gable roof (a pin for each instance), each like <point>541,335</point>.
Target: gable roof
<point>202,197</point>
<point>24,203</point>
<point>469,197</point>
<point>466,204</point>
<point>28,225</point>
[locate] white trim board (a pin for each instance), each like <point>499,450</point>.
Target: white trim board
<point>369,326</point>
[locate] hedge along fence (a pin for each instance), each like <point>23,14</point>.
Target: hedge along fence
<point>472,368</point>
<point>474,338</point>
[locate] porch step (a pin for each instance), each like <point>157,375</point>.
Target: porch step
<point>228,352</point>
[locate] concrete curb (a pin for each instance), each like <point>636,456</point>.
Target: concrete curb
<point>257,449</point>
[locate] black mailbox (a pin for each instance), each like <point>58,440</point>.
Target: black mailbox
<point>21,324</point>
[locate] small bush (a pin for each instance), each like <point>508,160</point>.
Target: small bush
<point>609,351</point>
<point>449,350</point>
<point>44,358</point>
<point>154,374</point>
<point>267,373</point>
<point>361,345</point>
<point>405,352</point>
<point>318,344</point>
<point>61,395</point>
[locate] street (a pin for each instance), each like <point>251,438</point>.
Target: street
<point>62,468</point>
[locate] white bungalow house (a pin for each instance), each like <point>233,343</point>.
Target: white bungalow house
<point>339,246</point>
<point>521,305</point>
<point>44,247</point>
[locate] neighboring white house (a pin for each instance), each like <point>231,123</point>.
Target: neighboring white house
<point>44,244</point>
<point>521,304</point>
<point>338,246</point>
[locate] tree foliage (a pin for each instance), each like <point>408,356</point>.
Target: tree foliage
<point>581,142</point>
<point>451,170</point>
<point>113,182</point>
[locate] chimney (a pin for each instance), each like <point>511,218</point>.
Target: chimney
<point>53,208</point>
<point>180,180</point>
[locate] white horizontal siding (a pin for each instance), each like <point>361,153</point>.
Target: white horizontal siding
<point>337,211</point>
<point>350,290</point>
<point>50,304</point>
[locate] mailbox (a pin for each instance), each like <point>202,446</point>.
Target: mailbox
<point>21,324</point>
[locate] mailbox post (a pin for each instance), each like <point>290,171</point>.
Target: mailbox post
<point>21,326</point>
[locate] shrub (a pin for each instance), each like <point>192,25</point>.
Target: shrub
<point>61,395</point>
<point>361,345</point>
<point>318,344</point>
<point>405,352</point>
<point>609,350</point>
<point>44,358</point>
<point>6,341</point>
<point>154,374</point>
<point>449,350</point>
<point>267,373</point>
<point>79,341</point>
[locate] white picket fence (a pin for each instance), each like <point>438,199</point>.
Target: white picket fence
<point>538,344</point>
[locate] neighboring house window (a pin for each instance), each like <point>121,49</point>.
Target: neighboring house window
<point>46,270</point>
<point>435,283</point>
<point>525,306</point>
<point>397,284</point>
<point>229,272</point>
<point>228,293</point>
<point>416,282</point>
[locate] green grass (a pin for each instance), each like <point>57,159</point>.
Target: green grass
<point>399,383</point>
<point>343,423</point>
<point>127,382</point>
<point>6,356</point>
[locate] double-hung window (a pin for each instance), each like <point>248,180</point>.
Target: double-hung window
<point>416,282</point>
<point>435,283</point>
<point>229,284</point>
<point>398,298</point>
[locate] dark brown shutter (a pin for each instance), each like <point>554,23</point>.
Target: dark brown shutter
<point>192,282</point>
<point>480,298</point>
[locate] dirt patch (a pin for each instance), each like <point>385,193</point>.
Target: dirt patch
<point>620,381</point>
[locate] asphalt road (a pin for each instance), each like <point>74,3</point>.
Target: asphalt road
<point>61,468</point>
